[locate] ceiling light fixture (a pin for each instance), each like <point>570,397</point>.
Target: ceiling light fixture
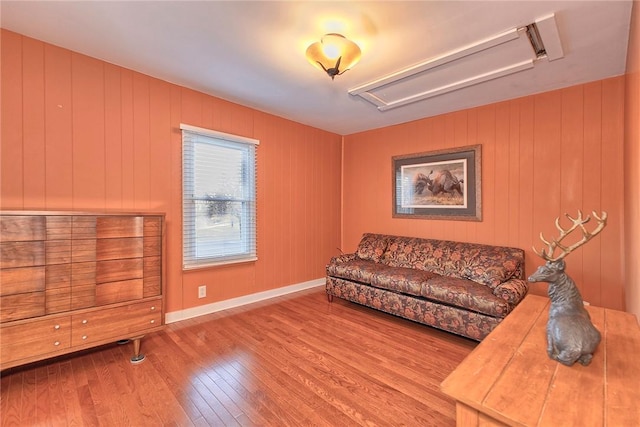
<point>334,54</point>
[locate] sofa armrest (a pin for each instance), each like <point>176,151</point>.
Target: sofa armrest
<point>512,291</point>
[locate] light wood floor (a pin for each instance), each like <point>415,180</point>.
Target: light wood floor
<point>295,360</point>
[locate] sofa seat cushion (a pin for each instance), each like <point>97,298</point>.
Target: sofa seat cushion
<point>358,270</point>
<point>398,279</point>
<point>465,294</point>
<point>452,291</point>
<point>404,280</point>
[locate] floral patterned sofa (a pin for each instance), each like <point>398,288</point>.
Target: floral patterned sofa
<point>463,288</point>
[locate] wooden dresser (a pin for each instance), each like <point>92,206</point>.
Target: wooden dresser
<point>74,280</point>
<point>508,380</point>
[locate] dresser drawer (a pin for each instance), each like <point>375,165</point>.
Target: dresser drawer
<point>35,338</point>
<point>116,323</point>
<point>21,254</point>
<point>130,247</point>
<point>22,228</point>
<point>119,226</point>
<point>22,306</point>
<point>22,280</point>
<point>114,292</point>
<point>119,269</point>
<point>153,226</point>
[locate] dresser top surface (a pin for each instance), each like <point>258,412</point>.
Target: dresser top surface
<point>510,377</point>
<point>77,213</point>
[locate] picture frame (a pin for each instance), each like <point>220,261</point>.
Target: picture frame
<point>443,184</point>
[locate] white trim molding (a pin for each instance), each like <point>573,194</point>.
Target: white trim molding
<point>219,135</point>
<point>189,313</point>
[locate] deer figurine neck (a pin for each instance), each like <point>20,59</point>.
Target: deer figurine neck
<point>563,290</point>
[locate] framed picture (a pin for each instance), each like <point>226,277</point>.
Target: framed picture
<point>442,184</point>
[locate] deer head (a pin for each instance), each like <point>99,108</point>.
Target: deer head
<point>577,223</point>
<point>548,272</point>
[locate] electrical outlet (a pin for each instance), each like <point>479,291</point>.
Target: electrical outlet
<point>202,291</point>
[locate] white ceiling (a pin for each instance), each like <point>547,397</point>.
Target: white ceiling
<point>252,52</point>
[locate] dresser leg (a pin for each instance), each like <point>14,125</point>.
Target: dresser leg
<point>137,356</point>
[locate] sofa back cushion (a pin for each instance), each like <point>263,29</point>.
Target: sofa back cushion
<point>486,264</point>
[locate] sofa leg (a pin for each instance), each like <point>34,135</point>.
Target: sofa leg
<point>329,297</point>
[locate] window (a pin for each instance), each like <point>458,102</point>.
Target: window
<point>219,197</point>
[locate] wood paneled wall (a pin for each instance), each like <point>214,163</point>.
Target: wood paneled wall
<point>82,134</point>
<point>632,165</point>
<point>542,156</point>
<point>79,133</point>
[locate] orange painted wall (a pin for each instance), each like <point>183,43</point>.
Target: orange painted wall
<point>542,156</point>
<point>79,133</point>
<point>632,165</point>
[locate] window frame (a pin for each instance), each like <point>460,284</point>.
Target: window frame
<point>248,214</point>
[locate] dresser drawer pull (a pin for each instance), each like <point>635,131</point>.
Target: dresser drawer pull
<point>57,343</point>
<point>85,321</point>
<point>153,307</point>
<point>84,337</point>
<point>56,327</point>
<point>153,321</point>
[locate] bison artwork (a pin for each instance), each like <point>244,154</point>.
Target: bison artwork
<point>440,182</point>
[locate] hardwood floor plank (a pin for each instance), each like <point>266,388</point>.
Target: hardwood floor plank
<point>358,359</point>
<point>386,394</point>
<point>173,372</point>
<point>217,413</point>
<point>228,408</point>
<point>85,401</point>
<point>194,340</point>
<point>57,411</point>
<point>121,410</point>
<point>127,407</point>
<point>235,392</point>
<point>26,399</point>
<point>368,366</point>
<point>43,406</point>
<point>280,404</point>
<point>253,404</point>
<point>295,360</point>
<point>216,336</point>
<point>69,396</point>
<point>202,422</point>
<point>421,381</point>
<point>271,377</point>
<point>163,403</point>
<point>325,386</point>
<point>12,399</point>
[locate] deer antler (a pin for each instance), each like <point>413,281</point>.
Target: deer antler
<point>578,222</point>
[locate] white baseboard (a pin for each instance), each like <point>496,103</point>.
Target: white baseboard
<point>189,313</point>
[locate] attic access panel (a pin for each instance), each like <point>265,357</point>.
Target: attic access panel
<point>503,54</point>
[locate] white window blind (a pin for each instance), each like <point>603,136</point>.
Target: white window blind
<point>219,197</point>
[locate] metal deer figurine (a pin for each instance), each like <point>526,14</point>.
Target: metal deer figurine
<point>571,337</point>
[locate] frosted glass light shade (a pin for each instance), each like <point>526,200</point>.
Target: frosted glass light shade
<point>334,54</point>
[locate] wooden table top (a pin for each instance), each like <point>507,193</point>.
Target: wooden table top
<point>510,378</point>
